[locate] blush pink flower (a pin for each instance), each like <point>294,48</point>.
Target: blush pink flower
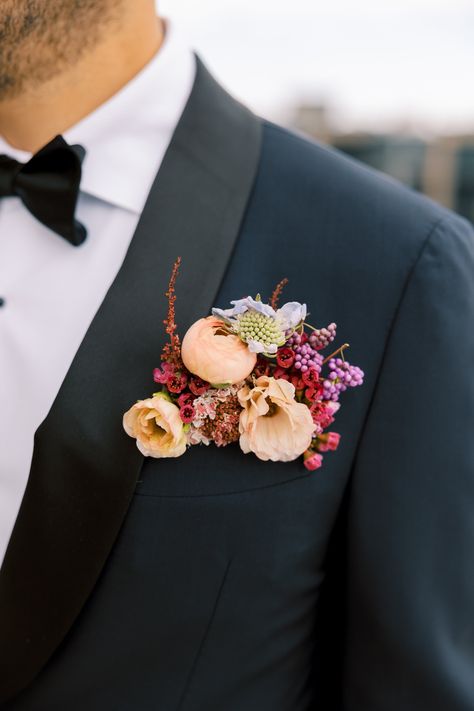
<point>157,426</point>
<point>215,356</point>
<point>272,424</point>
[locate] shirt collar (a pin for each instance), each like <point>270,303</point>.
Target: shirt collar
<point>127,136</point>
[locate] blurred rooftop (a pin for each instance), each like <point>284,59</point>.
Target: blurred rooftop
<point>442,167</point>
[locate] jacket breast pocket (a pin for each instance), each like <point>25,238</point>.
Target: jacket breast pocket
<point>204,471</point>
<point>219,499</point>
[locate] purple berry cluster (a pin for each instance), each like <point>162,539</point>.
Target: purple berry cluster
<point>342,375</point>
<point>321,337</point>
<point>294,340</point>
<point>306,357</point>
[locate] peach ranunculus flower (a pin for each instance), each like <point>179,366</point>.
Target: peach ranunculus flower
<point>157,426</point>
<point>215,356</point>
<point>272,424</point>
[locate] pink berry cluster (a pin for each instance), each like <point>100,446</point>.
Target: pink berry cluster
<point>342,375</point>
<point>306,356</point>
<point>321,337</point>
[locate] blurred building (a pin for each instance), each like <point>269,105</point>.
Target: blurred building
<point>464,179</point>
<point>442,168</point>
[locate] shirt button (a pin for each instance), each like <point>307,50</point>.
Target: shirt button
<point>2,301</point>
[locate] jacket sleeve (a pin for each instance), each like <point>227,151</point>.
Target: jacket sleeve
<point>410,644</point>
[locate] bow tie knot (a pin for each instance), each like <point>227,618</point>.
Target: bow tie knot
<point>48,185</point>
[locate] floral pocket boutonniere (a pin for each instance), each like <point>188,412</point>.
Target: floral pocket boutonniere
<point>252,374</point>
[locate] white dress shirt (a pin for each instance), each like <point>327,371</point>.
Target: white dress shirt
<point>52,290</point>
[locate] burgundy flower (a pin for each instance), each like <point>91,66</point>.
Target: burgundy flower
<point>262,368</point>
<point>310,377</point>
<point>197,386</point>
<point>185,399</point>
<point>177,382</point>
<point>162,375</point>
<point>187,413</point>
<point>297,382</point>
<point>322,415</point>
<point>281,374</point>
<point>312,394</point>
<point>285,357</point>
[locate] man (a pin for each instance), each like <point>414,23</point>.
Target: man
<point>217,581</point>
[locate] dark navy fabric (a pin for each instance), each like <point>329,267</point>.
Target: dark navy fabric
<point>241,585</point>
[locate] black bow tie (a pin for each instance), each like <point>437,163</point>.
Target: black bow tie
<point>48,186</point>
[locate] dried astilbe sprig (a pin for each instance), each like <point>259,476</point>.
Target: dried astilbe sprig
<point>277,293</point>
<point>172,350</point>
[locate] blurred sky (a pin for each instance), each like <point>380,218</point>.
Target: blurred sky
<point>378,64</point>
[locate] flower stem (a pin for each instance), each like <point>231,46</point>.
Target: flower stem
<point>340,350</point>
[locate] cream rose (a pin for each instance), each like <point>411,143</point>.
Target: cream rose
<point>211,354</point>
<point>157,426</point>
<point>272,424</point>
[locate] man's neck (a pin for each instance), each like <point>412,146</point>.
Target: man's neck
<point>30,121</point>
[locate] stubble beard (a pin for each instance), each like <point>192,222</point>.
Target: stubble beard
<point>39,39</point>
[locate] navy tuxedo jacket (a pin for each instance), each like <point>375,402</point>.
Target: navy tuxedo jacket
<point>216,581</point>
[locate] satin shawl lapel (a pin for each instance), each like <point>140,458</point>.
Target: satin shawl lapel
<point>84,467</point>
